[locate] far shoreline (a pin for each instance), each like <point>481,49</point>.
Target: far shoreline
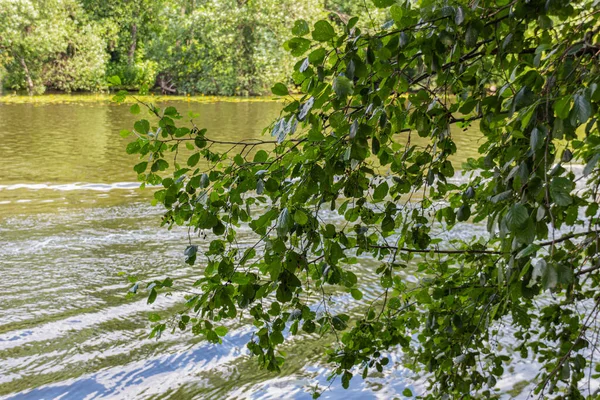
<point>106,98</point>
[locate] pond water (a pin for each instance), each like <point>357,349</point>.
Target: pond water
<point>72,218</point>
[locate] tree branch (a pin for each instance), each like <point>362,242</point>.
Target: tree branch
<point>493,252</point>
<point>438,251</point>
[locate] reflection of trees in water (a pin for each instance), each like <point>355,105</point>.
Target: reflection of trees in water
<point>77,142</point>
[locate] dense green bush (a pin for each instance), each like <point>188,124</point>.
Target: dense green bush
<point>135,76</point>
<point>50,45</point>
<point>82,66</point>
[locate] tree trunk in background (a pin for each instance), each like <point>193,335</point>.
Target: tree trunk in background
<point>28,76</point>
<point>131,54</point>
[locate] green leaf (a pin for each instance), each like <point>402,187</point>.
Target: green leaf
<point>517,217</point>
<point>549,275</point>
<point>565,274</point>
<point>381,191</point>
<point>388,224</point>
<point>317,56</point>
<point>524,97</point>
<point>114,80</point>
<point>346,376</point>
<point>545,22</point>
<point>193,160</point>
<point>297,46</point>
<point>212,337</point>
<point>527,251</point>
<point>154,317</point>
<point>238,160</point>
<point>134,109</point>
<point>562,107</point>
<point>463,213</point>
<point>120,96</point>
<point>200,142</point>
<point>342,86</point>
<point>272,185</point>
<point>560,191</point>
<point>280,89</point>
<point>308,326</point>
<point>300,28</point>
<point>526,235</point>
<point>225,269</point>
<point>471,36</point>
<point>142,127</point>
<point>447,170</point>
<point>300,217</point>
<point>159,165</point>
<point>323,31</point>
<point>141,167</point>
<point>356,294</point>
<point>537,138</point>
<point>221,330</point>
<point>397,13</point>
<point>133,147</point>
<point>152,296</point>
<point>261,156</point>
<point>219,228</point>
<point>276,338</point>
<point>501,196</point>
<point>407,392</point>
<point>582,108</point>
<point>171,111</point>
<point>338,322</point>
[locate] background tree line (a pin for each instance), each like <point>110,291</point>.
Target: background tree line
<point>229,47</point>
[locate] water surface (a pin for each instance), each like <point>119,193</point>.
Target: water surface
<point>72,219</point>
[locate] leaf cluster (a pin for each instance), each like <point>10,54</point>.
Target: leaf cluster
<point>373,138</point>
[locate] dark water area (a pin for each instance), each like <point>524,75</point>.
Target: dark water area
<point>73,222</point>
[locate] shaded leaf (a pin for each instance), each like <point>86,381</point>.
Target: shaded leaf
<point>560,191</point>
<point>517,217</point>
<point>280,89</point>
<point>582,108</point>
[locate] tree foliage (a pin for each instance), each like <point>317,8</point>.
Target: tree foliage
<point>50,44</point>
<point>230,47</point>
<point>372,137</point>
<point>129,27</point>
